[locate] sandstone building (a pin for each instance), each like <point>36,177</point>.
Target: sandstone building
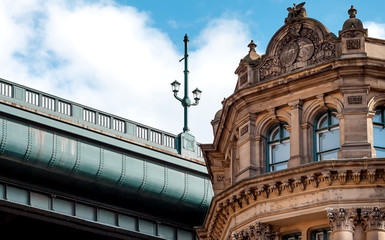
<point>299,147</point>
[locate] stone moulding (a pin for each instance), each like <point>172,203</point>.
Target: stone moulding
<point>318,175</point>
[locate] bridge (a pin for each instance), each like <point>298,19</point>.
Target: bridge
<point>74,171</point>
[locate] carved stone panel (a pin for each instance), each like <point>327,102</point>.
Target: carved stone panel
<point>300,47</point>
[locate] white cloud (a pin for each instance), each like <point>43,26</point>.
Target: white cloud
<point>221,46</point>
<point>375,30</point>
<point>109,57</point>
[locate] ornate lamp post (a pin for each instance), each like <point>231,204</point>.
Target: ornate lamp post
<point>186,102</point>
<point>185,143</point>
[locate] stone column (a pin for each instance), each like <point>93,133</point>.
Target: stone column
<point>342,223</point>
<point>374,223</point>
<point>296,155</point>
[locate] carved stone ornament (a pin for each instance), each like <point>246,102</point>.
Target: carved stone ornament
<point>258,231</point>
<point>356,176</point>
<point>373,219</point>
<point>301,46</point>
<point>371,175</point>
<point>342,219</point>
<point>296,12</point>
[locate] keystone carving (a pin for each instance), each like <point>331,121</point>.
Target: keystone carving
<point>373,219</point>
<point>342,219</point>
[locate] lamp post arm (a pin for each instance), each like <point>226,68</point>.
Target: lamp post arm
<point>176,96</point>
<point>196,103</point>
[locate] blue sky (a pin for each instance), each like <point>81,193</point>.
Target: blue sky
<point>121,56</point>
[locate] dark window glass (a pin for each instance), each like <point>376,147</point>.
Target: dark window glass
<point>278,148</point>
<point>294,236</point>
<point>321,234</point>
<point>327,136</point>
<point>379,132</point>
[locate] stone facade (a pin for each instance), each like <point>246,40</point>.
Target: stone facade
<point>309,86</point>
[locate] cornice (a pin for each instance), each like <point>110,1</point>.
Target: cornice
<point>294,181</point>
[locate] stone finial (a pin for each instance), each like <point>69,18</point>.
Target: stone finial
<point>352,12</point>
<point>352,22</point>
<point>252,46</point>
<point>296,12</point>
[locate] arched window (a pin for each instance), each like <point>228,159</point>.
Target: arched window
<point>379,132</point>
<point>327,136</point>
<point>278,150</point>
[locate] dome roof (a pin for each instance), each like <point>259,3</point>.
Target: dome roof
<point>352,22</point>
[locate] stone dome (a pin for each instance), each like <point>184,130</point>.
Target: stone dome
<point>352,22</point>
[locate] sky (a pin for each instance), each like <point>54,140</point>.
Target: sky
<point>120,57</point>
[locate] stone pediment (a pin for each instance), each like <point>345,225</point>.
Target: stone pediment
<point>298,44</point>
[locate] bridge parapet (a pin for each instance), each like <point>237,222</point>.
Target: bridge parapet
<point>56,145</point>
<point>90,118</point>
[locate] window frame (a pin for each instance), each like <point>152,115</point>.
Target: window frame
<point>325,231</point>
<point>381,124</point>
<point>269,143</point>
<point>296,236</point>
<point>316,131</point>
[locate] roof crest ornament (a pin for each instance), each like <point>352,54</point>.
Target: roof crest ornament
<point>296,12</point>
<point>352,12</point>
<point>252,46</point>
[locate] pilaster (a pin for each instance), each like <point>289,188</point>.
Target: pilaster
<point>296,142</point>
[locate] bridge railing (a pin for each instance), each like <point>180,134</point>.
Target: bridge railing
<point>65,109</point>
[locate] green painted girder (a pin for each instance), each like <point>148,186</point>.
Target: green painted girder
<point>79,154</point>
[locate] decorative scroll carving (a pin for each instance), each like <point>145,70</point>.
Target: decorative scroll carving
<point>353,44</point>
<point>289,186</point>
<point>243,79</point>
<point>354,99</point>
<point>301,184</point>
<point>257,231</point>
<point>373,219</point>
<point>371,175</point>
<point>264,191</point>
<point>342,219</point>
<point>327,177</point>
<point>221,178</point>
<point>356,175</point>
<point>300,47</point>
<point>244,130</point>
<point>342,176</point>
<point>313,180</point>
<point>277,189</point>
